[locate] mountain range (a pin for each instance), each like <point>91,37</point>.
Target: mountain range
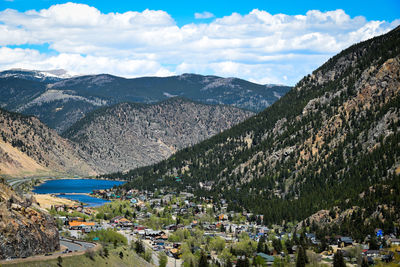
<point>332,142</point>
<point>59,100</point>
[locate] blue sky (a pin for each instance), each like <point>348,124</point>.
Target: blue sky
<point>262,41</point>
<point>182,11</point>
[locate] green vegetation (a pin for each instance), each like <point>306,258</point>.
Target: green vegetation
<point>107,236</point>
<point>114,209</point>
<point>162,259</point>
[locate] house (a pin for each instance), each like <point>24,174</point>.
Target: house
<point>116,219</point>
<point>124,222</point>
<point>394,242</point>
<point>344,241</point>
<point>372,253</point>
<point>76,219</point>
<point>76,225</point>
<point>269,260</point>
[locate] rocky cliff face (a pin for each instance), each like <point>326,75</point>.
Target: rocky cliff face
<point>24,229</point>
<point>129,135</point>
<point>28,147</point>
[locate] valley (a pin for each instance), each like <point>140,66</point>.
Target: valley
<point>202,170</point>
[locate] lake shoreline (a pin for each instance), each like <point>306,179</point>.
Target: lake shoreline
<point>76,189</point>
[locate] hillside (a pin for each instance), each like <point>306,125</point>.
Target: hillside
<point>326,143</point>
<point>129,135</point>
<point>28,147</point>
<point>24,230</point>
<point>59,101</point>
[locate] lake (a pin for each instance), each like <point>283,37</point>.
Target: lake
<point>77,186</point>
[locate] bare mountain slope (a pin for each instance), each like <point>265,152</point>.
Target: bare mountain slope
<point>28,147</point>
<point>128,135</point>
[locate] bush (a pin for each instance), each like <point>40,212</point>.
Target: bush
<point>90,253</point>
<point>107,236</point>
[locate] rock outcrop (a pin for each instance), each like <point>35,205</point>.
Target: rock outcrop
<point>24,229</point>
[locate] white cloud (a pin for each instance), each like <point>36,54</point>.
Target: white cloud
<point>204,15</point>
<point>256,46</point>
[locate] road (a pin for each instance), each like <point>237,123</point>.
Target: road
<point>13,183</point>
<point>79,246</point>
<point>76,245</point>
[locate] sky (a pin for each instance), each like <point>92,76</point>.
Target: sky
<point>266,42</point>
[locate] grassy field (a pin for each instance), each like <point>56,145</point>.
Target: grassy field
<point>129,259</point>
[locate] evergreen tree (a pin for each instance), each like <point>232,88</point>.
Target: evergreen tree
<point>338,260</point>
<point>277,244</point>
<point>139,248</point>
<point>301,260</point>
<point>260,245</point>
<point>364,262</point>
<point>266,249</point>
<point>373,244</point>
<point>203,259</point>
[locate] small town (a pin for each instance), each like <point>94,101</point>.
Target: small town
<point>168,229</point>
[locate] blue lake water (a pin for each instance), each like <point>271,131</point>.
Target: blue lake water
<point>77,186</point>
<point>88,200</point>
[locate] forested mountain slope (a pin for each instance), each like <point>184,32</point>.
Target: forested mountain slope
<point>28,147</point>
<point>328,142</point>
<point>129,135</point>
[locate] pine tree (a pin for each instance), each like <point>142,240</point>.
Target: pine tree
<point>364,262</point>
<point>301,257</point>
<point>139,248</point>
<point>260,245</point>
<point>203,259</point>
<point>338,260</point>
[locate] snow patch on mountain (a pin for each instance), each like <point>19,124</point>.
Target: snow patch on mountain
<point>169,95</point>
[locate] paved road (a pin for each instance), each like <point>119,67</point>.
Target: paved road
<point>17,182</point>
<point>76,245</point>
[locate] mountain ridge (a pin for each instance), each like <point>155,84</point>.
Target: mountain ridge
<point>61,102</point>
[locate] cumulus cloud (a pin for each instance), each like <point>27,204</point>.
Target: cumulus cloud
<point>257,46</point>
<point>204,15</point>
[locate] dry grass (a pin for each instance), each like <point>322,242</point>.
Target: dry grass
<point>21,164</point>
<point>46,201</point>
